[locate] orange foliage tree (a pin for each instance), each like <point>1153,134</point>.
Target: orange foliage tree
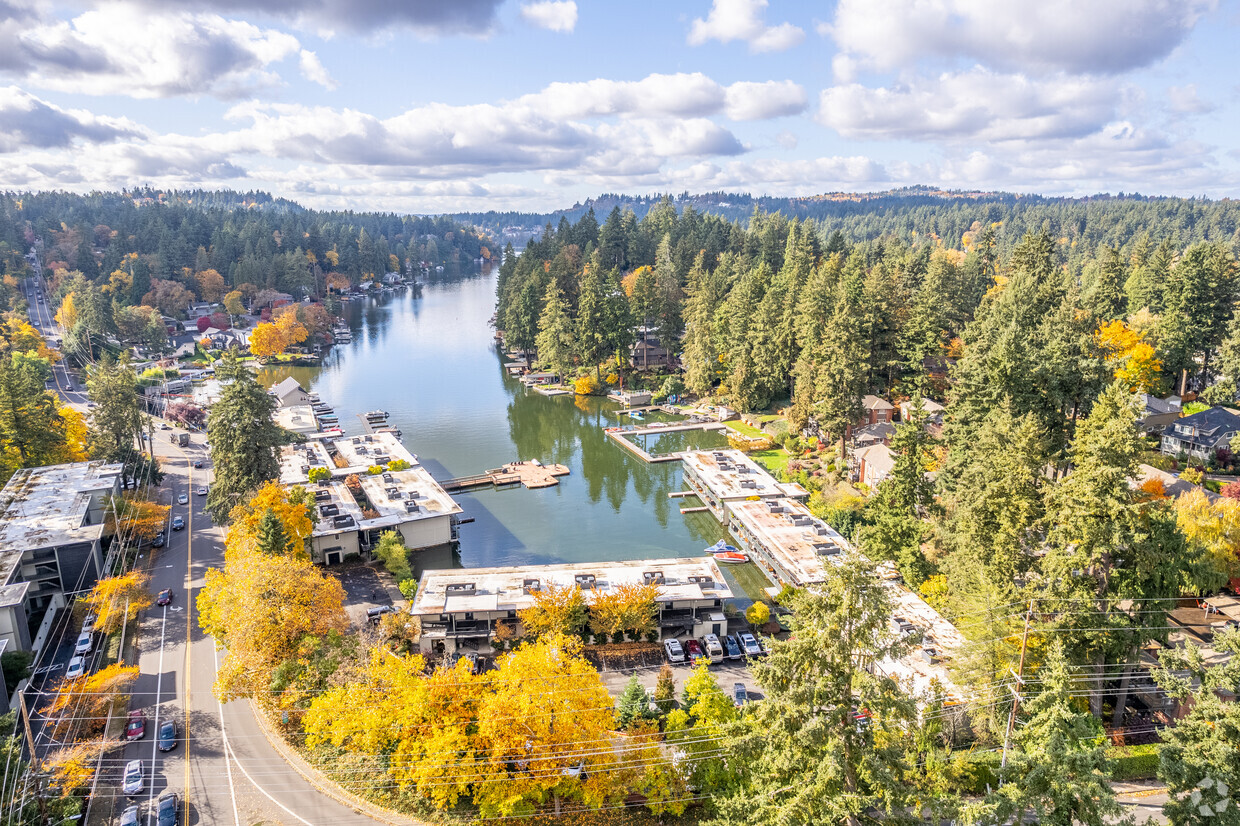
<point>293,507</point>
<point>556,610</point>
<point>131,515</point>
<point>211,285</point>
<point>110,596</point>
<point>82,705</point>
<point>72,768</point>
<point>266,340</point>
<point>291,329</point>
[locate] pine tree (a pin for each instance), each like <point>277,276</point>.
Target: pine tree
<point>271,536</point>
<point>633,705</point>
<point>838,367</point>
<point>243,438</point>
<point>556,341</point>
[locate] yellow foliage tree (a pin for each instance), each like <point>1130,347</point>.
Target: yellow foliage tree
<point>77,436</point>
<point>585,386</point>
<point>628,607</point>
<point>72,768</point>
<point>1214,527</point>
<point>292,507</point>
<point>261,607</point>
<point>266,340</point>
<point>545,724</point>
<point>293,331</point>
<point>234,303</point>
<point>21,337</point>
<point>556,610</point>
<point>131,515</point>
<point>67,315</point>
<point>110,596</point>
<point>1133,360</point>
<point>211,285</point>
<point>82,705</point>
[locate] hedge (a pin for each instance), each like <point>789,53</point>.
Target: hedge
<point>1134,762</point>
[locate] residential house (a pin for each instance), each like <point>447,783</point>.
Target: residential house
<point>1200,434</point>
<point>931,409</point>
<point>1157,413</point>
<point>647,354</point>
<point>51,534</point>
<point>875,410</point>
<point>289,393</point>
<point>460,608</point>
<point>879,433</point>
<point>873,464</point>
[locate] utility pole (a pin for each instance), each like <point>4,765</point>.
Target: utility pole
<point>34,757</point>
<point>1020,682</point>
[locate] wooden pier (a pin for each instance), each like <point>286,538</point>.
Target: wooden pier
<point>527,474</point>
<point>620,437</point>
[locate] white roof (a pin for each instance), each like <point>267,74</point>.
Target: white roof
<point>792,536</point>
<point>299,418</point>
<point>504,589</point>
<point>297,460</point>
<point>360,452</point>
<point>47,506</point>
<point>335,493</point>
<point>389,493</point>
<point>730,474</point>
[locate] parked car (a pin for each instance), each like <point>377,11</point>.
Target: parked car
<point>712,647</point>
<point>167,809</point>
<point>749,644</point>
<point>158,541</point>
<point>88,624</point>
<point>77,667</point>
<point>374,615</point>
<point>693,650</point>
<point>739,694</point>
<point>164,426</point>
<point>85,642</point>
<point>133,781</point>
<point>165,597</point>
<point>129,817</point>
<point>675,651</point>
<point>474,661</point>
<point>167,735</point>
<point>731,648</point>
<point>136,728</point>
<point>178,523</point>
<point>183,499</point>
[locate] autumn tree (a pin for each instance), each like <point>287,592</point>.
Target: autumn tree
<point>556,610</point>
<point>267,340</point>
<point>292,331</point>
<point>293,512</point>
<point>234,303</point>
<point>391,551</point>
<point>211,285</point>
<point>81,705</point>
<point>131,516</point>
<point>113,599</point>
<point>1133,360</point>
<point>1213,527</point>
<point>630,607</point>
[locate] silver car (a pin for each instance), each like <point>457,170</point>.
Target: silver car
<point>77,667</point>
<point>133,778</point>
<point>85,642</point>
<point>749,644</point>
<point>129,817</point>
<point>675,651</point>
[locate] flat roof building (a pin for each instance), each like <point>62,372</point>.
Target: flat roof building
<point>462,606</point>
<point>786,539</point>
<point>412,502</point>
<point>296,462</point>
<point>722,476</point>
<point>298,418</point>
<point>335,535</point>
<point>51,531</point>
<point>360,452</point>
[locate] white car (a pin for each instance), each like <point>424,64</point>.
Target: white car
<point>183,499</point>
<point>77,667</point>
<point>675,651</point>
<point>202,490</point>
<point>749,644</point>
<point>133,778</point>
<point>85,642</point>
<point>88,624</point>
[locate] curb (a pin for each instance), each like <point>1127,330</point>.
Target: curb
<point>1143,792</point>
<point>325,785</point>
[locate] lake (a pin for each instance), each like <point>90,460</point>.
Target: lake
<point>430,361</point>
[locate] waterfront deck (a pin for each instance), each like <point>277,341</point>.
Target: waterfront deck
<point>527,474</point>
<point>620,437</point>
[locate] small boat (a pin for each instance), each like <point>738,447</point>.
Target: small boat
<point>637,414</point>
<point>722,547</point>
<point>731,556</point>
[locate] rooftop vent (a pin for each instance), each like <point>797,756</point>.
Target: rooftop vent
<point>370,438</point>
<point>345,521</point>
<point>387,477</point>
<point>305,468</point>
<point>529,586</point>
<point>393,493</point>
<point>801,519</point>
<point>704,581</point>
<point>321,495</point>
<point>362,449</point>
<point>584,580</point>
<point>411,506</point>
<point>356,440</point>
<point>826,548</point>
<point>653,576</point>
<point>329,510</point>
<point>460,589</point>
<point>748,484</point>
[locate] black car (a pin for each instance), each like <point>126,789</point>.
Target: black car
<point>165,597</point>
<point>375,615</point>
<point>158,541</point>
<point>178,523</point>
<point>167,735</point>
<point>168,805</point>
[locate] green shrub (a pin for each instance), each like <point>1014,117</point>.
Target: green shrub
<point>375,470</point>
<point>319,474</point>
<point>1134,762</point>
<point>16,665</point>
<point>758,614</point>
<point>979,768</point>
<point>398,464</point>
<point>408,588</point>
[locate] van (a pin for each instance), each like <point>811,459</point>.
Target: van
<point>181,439</point>
<point>712,647</point>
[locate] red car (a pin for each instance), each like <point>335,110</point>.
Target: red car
<point>693,649</point>
<point>136,729</point>
<point>165,597</point>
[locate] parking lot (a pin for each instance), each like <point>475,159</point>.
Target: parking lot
<point>727,673</point>
<point>363,588</point>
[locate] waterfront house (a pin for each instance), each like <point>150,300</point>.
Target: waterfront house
<point>1200,434</point>
<point>289,393</point>
<point>51,533</point>
<point>718,477</point>
<point>297,418</point>
<point>460,608</point>
<point>648,354</point>
<point>336,534</point>
<point>879,433</point>
<point>871,465</point>
<point>1157,413</point>
<point>875,410</point>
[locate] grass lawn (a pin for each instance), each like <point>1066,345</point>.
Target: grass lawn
<point>774,460</point>
<point>744,429</point>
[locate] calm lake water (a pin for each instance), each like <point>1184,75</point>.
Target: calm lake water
<point>430,361</point>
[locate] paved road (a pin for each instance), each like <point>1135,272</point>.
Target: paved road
<point>222,766</point>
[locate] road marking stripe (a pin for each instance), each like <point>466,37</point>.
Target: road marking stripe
<point>215,651</point>
<point>159,683</point>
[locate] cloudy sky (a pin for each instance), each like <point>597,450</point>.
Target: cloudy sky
<point>444,105</point>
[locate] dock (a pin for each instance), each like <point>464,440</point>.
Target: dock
<point>531,475</point>
<point>620,437</point>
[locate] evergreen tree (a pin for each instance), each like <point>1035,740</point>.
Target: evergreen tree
<point>633,705</point>
<point>804,754</point>
<point>556,341</point>
<point>1059,772</point>
<point>243,438</point>
<point>1106,296</point>
<point>832,380</point>
<point>701,357</point>
<point>665,690</point>
<point>271,536</point>
<point>117,420</point>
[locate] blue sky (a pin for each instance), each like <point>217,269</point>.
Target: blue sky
<point>446,105</point>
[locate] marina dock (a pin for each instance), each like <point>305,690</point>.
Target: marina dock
<point>529,474</point>
<point>619,436</point>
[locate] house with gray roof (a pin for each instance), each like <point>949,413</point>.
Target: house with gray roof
<point>1200,434</point>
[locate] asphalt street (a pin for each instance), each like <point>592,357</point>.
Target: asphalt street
<point>222,765</point>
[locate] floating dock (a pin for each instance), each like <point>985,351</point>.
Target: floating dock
<point>529,474</point>
<point>619,436</point>
<point>376,422</point>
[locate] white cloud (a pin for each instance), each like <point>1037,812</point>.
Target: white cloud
<point>760,101</point>
<point>730,20</point>
<point>426,18</point>
<point>313,70</point>
<point>974,105</point>
<point>27,122</point>
<point>1098,37</point>
<point>555,15</point>
<point>120,49</point>
<point>1184,100</point>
